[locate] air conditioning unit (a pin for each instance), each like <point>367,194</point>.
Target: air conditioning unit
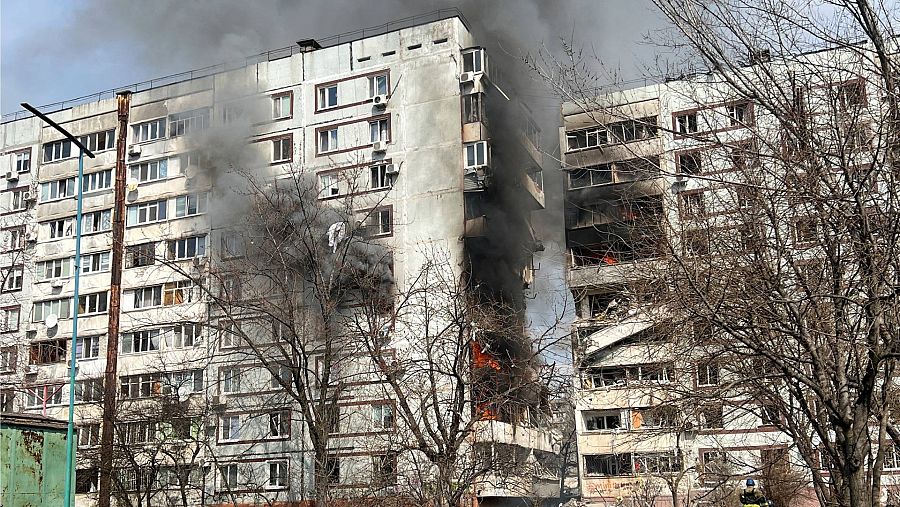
<point>31,236</point>
<point>467,77</point>
<point>56,284</point>
<point>12,175</point>
<point>392,169</point>
<point>380,101</point>
<point>379,146</point>
<point>30,196</point>
<point>134,149</point>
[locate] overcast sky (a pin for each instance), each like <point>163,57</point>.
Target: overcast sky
<point>52,50</point>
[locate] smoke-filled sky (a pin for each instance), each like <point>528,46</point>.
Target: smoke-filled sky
<point>51,50</point>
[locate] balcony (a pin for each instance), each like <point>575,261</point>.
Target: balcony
<point>510,434</point>
<point>533,183</point>
<point>476,227</point>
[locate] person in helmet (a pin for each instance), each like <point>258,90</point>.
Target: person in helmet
<point>751,497</point>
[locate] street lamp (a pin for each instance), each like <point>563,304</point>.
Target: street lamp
<point>70,431</point>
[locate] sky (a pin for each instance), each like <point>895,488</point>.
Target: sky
<point>52,50</point>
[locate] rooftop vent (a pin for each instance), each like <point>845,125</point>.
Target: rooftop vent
<point>307,45</point>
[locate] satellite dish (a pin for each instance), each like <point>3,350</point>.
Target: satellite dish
<point>51,321</point>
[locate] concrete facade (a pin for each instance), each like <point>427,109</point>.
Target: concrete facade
<point>314,110</point>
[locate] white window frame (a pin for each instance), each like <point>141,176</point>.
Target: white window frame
<point>22,161</point>
<point>186,248</point>
<point>379,178</point>
<point>184,203</point>
<point>279,424</point>
<point>17,200</point>
<point>94,304</point>
<point>476,154</point>
<point>281,106</point>
<point>147,213</point>
<point>330,184</point>
<point>282,149</point>
<point>325,96</point>
<point>100,259</point>
<point>476,57</point>
<point>231,380</point>
<point>151,170</point>
<point>138,342</point>
<point>179,292</point>
<point>9,319</point>
<point>703,374</point>
<point>687,123</point>
<point>57,150</point>
<point>149,130</point>
<point>57,190</point>
<point>329,140</point>
<point>15,278</point>
<point>96,221</point>
<point>229,477</point>
<point>61,307</point>
<point>183,123</point>
<point>96,181</point>
<point>280,478</point>
<point>140,296</point>
<point>187,335</point>
<point>89,344</point>
<point>383,416</point>
<point>380,130</point>
<point>379,85</point>
<point>97,142</point>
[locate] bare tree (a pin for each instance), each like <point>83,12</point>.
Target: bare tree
<point>776,248</point>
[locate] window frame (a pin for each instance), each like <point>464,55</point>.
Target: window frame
<point>161,129</point>
<point>278,102</point>
<point>279,142</point>
<point>323,96</point>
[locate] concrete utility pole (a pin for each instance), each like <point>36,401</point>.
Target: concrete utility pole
<point>123,100</point>
<point>70,429</point>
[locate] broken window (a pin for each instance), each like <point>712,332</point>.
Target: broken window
<point>597,421</point>
<point>589,138</point>
<point>689,163</point>
<point>384,468</point>
<point>473,108</point>
<point>176,293</point>
<point>46,352</point>
<point>279,424</point>
<point>712,416</point>
<point>140,255</point>
<point>738,113</point>
<point>604,377</point>
<point>708,374</point>
<point>608,464</point>
<point>850,95</point>
<point>686,123</point>
<point>693,204</point>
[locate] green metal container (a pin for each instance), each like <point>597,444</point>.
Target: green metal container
<point>32,461</point>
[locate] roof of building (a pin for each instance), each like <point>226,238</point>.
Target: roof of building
<point>274,54</point>
<point>31,421</point>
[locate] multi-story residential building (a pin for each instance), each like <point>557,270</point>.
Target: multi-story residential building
<point>399,120</point>
<point>652,174</point>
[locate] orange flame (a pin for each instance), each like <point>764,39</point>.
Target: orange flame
<point>482,358</point>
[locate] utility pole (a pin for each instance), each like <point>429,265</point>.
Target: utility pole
<point>73,366</point>
<point>123,100</point>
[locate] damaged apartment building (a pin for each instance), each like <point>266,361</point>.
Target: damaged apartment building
<point>446,159</point>
<point>644,166</point>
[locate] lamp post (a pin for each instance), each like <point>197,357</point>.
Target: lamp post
<point>70,430</point>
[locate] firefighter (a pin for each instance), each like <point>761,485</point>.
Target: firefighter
<point>751,497</point>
